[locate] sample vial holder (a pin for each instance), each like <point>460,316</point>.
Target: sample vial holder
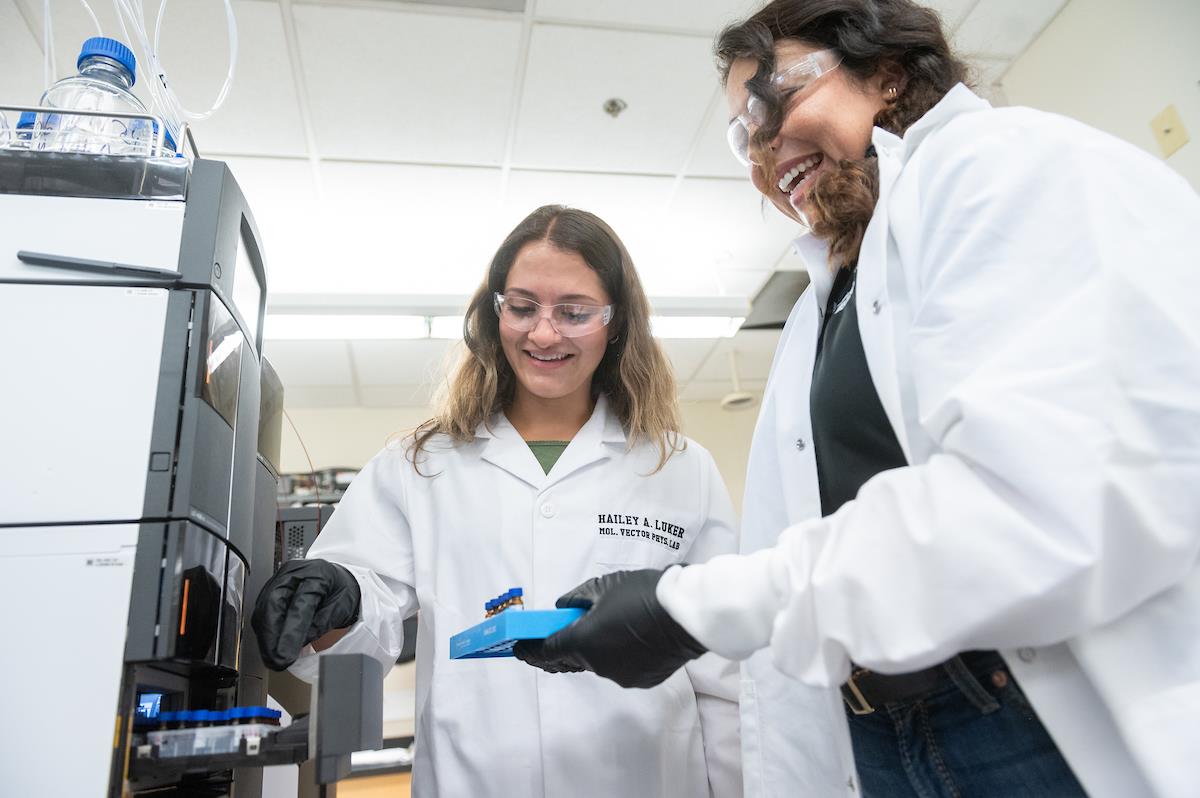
<point>495,636</point>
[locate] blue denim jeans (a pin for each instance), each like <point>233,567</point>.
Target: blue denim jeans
<point>976,737</point>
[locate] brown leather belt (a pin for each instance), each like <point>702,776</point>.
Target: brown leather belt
<point>866,691</point>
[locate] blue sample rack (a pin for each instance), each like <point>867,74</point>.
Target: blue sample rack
<point>495,636</point>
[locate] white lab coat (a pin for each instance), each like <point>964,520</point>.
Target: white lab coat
<point>491,520</point>
<point>1028,295</point>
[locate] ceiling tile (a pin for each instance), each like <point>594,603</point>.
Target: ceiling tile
<point>383,87</point>
<point>952,12</point>
<point>754,351</point>
<point>686,355</point>
<point>1004,28</point>
<point>21,79</point>
<point>319,396</point>
<point>665,80</point>
<point>715,226</point>
<point>632,205</point>
<point>261,115</point>
<point>712,157</point>
<point>282,196</point>
<point>310,362</point>
<point>392,228</point>
<point>704,16</point>
<point>409,363</point>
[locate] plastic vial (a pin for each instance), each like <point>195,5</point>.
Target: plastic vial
<point>517,601</point>
<point>23,135</point>
<point>107,72</point>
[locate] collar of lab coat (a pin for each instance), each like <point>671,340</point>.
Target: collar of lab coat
<point>504,447</point>
<point>893,152</point>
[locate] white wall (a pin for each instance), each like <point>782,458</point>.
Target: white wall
<point>1115,64</point>
<point>350,436</point>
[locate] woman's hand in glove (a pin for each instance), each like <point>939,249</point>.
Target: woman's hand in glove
<point>301,602</point>
<point>625,636</point>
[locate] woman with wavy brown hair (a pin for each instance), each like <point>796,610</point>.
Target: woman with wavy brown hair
<point>555,455</point>
<point>972,531</point>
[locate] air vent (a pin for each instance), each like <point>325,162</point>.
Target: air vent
<point>774,303</point>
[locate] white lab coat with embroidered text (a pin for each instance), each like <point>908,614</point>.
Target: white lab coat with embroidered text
<point>1028,293</point>
<point>486,518</point>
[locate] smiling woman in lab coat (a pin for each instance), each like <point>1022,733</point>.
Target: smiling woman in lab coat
<point>555,456</point>
<point>972,529</point>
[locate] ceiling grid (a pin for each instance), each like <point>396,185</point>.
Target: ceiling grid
<point>386,147</point>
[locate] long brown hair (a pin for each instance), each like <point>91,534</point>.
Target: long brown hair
<point>869,35</point>
<point>634,373</point>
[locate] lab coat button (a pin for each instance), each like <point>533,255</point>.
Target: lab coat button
<point>1026,654</point>
<point>547,510</point>
<point>876,306</point>
<point>801,445</point>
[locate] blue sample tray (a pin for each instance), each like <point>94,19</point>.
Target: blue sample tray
<point>495,636</point>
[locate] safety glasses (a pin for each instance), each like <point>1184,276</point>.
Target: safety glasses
<point>568,320</point>
<point>790,82</point>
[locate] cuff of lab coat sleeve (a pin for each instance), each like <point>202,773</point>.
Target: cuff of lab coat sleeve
<point>306,665</point>
<point>729,603</point>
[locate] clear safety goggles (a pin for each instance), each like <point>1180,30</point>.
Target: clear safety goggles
<point>790,82</point>
<point>568,320</point>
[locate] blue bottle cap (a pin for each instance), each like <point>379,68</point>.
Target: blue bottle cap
<point>517,591</point>
<point>487,605</point>
<point>27,120</point>
<point>109,48</point>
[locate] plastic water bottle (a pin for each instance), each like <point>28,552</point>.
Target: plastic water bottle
<point>107,72</point>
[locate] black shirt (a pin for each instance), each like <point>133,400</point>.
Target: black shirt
<point>852,437</point>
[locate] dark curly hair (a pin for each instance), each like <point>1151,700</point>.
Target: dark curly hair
<point>869,35</point>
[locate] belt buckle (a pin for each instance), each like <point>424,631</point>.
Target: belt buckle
<point>863,705</point>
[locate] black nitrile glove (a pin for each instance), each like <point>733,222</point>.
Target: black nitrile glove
<point>625,636</point>
<point>302,601</point>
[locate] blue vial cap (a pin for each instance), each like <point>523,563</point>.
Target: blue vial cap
<point>109,48</point>
<point>517,591</point>
<point>27,120</point>
<point>487,605</point>
<point>168,140</point>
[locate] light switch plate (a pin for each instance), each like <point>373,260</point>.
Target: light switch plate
<point>1169,130</point>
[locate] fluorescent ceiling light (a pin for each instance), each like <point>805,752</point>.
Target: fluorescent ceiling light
<point>661,326</point>
<point>356,327</point>
<point>695,326</point>
<point>446,327</point>
<point>361,326</point>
